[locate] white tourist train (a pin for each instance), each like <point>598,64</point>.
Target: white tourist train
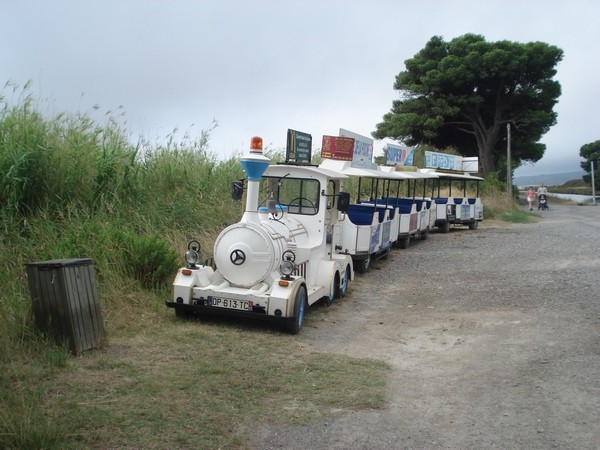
<point>300,238</point>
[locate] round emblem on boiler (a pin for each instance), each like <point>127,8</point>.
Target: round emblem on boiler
<point>237,257</point>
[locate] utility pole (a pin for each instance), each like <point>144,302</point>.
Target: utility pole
<point>508,163</point>
<point>593,185</point>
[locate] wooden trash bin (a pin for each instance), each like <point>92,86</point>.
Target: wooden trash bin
<point>65,302</point>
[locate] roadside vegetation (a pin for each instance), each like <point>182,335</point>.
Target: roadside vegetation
<point>71,187</point>
<point>578,187</point>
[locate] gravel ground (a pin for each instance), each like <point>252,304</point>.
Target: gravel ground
<point>493,336</point>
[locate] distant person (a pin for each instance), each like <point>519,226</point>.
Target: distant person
<point>542,197</point>
<point>530,197</point>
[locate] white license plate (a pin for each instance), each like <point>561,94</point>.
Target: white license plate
<point>229,303</point>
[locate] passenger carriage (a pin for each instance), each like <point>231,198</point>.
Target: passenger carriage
<point>371,228</point>
<point>461,207</point>
<point>282,256</point>
<point>414,208</point>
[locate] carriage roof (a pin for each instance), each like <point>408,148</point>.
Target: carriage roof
<point>298,170</point>
<point>452,175</point>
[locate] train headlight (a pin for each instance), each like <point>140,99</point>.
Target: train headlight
<point>191,258</point>
<point>286,268</point>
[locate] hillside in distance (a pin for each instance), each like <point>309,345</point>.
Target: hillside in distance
<point>554,179</point>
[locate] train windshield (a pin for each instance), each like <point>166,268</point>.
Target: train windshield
<point>300,195</point>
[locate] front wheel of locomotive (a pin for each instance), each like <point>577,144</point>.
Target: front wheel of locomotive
<point>345,281</point>
<point>295,323</point>
<point>335,289</point>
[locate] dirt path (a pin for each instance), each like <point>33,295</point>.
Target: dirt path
<point>493,336</point>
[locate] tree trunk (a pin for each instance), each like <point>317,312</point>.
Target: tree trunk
<point>486,157</point>
<point>486,142</point>
<point>486,138</point>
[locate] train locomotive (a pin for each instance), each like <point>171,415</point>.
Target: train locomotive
<point>282,256</point>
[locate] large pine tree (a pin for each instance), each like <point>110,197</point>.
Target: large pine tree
<point>464,92</point>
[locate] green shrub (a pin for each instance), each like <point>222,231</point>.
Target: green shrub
<point>492,184</point>
<point>150,260</point>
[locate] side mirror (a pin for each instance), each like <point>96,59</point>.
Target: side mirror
<point>343,202</point>
<point>237,190</point>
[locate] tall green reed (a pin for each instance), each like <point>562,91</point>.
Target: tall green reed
<point>73,187</point>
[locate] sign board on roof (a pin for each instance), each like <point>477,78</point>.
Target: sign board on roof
<point>299,147</point>
<point>443,161</point>
<point>363,149</point>
<point>436,160</point>
<point>337,147</point>
<point>396,155</point>
<point>470,164</point>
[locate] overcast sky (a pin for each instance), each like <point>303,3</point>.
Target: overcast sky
<point>259,67</point>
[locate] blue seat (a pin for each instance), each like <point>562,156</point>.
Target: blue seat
<point>381,210</point>
<point>386,203</point>
<point>361,214</point>
<point>404,205</point>
<point>405,209</point>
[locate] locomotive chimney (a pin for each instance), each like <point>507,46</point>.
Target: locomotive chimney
<point>254,164</point>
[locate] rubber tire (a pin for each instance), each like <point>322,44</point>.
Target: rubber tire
<point>345,281</point>
<point>335,289</point>
<point>295,323</point>
<point>404,242</point>
<point>425,234</point>
<point>445,227</point>
<point>473,225</point>
<point>362,265</point>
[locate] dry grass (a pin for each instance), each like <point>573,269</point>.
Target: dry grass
<point>498,204</point>
<point>167,383</point>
